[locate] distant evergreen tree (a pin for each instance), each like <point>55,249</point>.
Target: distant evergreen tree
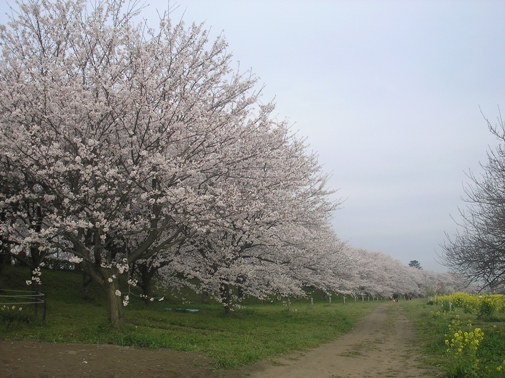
<point>415,264</point>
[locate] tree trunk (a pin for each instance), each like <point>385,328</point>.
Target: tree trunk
<point>224,290</point>
<point>114,301</point>
<point>146,276</point>
<point>86,280</point>
<point>240,294</point>
<point>5,260</point>
<point>107,278</point>
<point>147,288</point>
<point>205,297</point>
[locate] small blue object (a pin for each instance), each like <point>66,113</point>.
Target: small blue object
<point>191,310</point>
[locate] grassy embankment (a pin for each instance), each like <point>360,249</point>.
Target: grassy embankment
<point>461,344</point>
<point>257,331</point>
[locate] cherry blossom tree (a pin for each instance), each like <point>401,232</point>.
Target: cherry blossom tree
<point>26,217</point>
<point>124,129</point>
<point>285,269</point>
<point>271,202</point>
<point>379,275</point>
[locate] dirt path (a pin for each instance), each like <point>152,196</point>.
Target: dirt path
<point>32,359</point>
<point>381,345</point>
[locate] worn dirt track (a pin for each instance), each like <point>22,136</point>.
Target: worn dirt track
<point>383,344</point>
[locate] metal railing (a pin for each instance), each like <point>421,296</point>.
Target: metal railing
<point>24,297</point>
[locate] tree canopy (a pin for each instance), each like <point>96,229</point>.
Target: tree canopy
<point>415,264</point>
<point>143,150</point>
<point>476,251</point>
<point>123,143</point>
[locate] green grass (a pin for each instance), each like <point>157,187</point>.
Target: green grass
<point>432,327</point>
<point>257,331</point>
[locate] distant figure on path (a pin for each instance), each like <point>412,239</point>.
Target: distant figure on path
<point>395,297</point>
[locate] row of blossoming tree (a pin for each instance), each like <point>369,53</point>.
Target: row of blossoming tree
<point>126,143</point>
<point>377,274</point>
<point>139,147</point>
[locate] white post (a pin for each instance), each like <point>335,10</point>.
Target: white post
<point>311,301</point>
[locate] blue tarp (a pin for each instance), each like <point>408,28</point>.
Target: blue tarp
<point>192,310</point>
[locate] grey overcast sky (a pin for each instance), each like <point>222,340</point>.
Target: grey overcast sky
<point>388,93</point>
